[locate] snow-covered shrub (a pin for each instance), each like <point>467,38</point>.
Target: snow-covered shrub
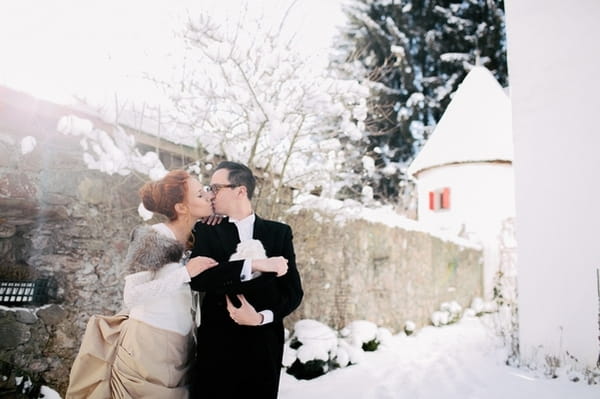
<point>409,327</point>
<point>309,370</point>
<point>383,335</point>
<point>362,334</point>
<point>310,350</point>
<point>343,354</point>
<point>289,356</point>
<point>450,312</point>
<point>347,354</point>
<point>370,346</point>
<point>314,349</point>
<point>439,318</point>
<point>479,306</point>
<point>453,309</point>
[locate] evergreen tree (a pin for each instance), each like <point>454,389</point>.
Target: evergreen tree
<point>413,54</point>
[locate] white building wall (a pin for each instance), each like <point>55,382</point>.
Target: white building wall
<point>482,197</point>
<point>554,73</point>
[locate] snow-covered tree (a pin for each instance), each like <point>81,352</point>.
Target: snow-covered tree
<point>245,95</point>
<point>413,54</point>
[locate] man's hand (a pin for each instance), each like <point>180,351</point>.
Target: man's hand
<point>276,264</point>
<point>212,219</point>
<point>245,315</point>
<point>198,264</point>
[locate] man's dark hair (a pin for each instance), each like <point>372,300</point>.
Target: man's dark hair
<point>240,175</point>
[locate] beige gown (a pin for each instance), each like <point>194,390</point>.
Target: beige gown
<point>158,372</point>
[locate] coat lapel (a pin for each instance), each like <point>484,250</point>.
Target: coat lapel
<point>228,236</point>
<point>257,232</point>
<point>260,233</point>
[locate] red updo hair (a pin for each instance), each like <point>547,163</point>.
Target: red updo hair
<point>162,195</point>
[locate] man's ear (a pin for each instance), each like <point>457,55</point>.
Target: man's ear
<point>244,191</point>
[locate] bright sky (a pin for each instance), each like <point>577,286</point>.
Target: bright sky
<point>54,48</point>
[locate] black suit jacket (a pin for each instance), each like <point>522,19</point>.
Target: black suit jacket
<point>251,354</point>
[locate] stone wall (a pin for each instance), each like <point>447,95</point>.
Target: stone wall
<point>58,219</point>
<point>387,275</point>
<point>35,349</point>
<point>63,221</point>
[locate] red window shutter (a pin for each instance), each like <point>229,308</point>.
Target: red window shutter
<point>432,200</point>
<point>446,198</point>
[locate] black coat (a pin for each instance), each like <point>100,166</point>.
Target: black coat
<point>236,361</point>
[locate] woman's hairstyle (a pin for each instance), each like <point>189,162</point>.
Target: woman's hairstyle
<point>162,195</point>
<point>240,175</point>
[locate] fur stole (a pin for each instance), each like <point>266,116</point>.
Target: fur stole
<point>150,250</point>
<point>249,249</point>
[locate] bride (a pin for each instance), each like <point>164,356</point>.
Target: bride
<point>151,349</point>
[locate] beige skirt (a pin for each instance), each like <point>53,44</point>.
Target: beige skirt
<point>91,369</point>
<point>151,362</point>
<point>126,358</point>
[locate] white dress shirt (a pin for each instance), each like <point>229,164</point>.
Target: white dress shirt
<point>245,229</point>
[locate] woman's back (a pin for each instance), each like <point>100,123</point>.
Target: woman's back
<point>160,298</point>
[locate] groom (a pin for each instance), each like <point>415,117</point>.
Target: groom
<point>241,336</point>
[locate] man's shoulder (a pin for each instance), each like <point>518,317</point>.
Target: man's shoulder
<point>273,224</point>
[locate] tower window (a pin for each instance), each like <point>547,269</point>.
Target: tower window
<point>439,199</point>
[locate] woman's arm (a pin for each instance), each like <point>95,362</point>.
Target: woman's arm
<point>140,288</point>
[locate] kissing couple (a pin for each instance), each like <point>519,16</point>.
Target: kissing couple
<point>243,267</point>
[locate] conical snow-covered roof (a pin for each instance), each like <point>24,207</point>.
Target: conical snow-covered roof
<point>476,126</point>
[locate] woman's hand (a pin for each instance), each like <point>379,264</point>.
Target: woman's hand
<point>245,315</point>
<point>198,264</point>
<point>276,264</point>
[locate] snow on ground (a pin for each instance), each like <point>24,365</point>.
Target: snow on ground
<point>465,360</point>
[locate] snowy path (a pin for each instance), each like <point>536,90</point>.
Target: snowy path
<point>461,361</point>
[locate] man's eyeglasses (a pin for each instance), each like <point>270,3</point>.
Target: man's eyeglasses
<point>215,188</point>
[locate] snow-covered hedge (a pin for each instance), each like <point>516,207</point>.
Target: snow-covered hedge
<point>409,327</point>
<point>479,306</point>
<point>451,312</point>
<point>314,348</point>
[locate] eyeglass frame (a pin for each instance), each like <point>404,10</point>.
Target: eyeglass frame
<point>216,187</point>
